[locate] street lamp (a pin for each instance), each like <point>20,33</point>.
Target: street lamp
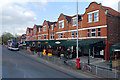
<point>78,59</point>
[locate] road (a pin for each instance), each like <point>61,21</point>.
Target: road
<point>17,65</point>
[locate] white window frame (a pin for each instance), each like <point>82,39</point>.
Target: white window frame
<point>98,32</point>
<point>96,17</point>
<point>39,29</point>
<point>52,27</point>
<point>63,35</point>
<point>90,18</point>
<point>92,32</point>
<point>52,36</point>
<point>39,37</point>
<point>34,31</point>
<point>72,35</point>
<point>44,36</point>
<point>88,32</point>
<point>74,21</point>
<point>31,32</point>
<point>61,24</point>
<point>58,35</point>
<point>44,28</point>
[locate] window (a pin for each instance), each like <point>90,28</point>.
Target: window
<point>96,17</point>
<point>99,32</point>
<point>61,24</point>
<point>44,28</point>
<point>72,34</point>
<point>44,36</point>
<point>34,31</point>
<point>55,25</point>
<point>27,32</point>
<point>88,35</point>
<point>31,32</point>
<point>93,33</point>
<point>76,34</point>
<point>39,29</point>
<point>90,17</point>
<point>39,37</point>
<point>31,38</point>
<point>74,21</point>
<point>52,27</point>
<point>63,35</point>
<point>52,36</point>
<point>60,35</point>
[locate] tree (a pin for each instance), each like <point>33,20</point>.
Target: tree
<point>6,36</point>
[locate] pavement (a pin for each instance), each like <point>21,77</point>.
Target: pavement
<point>93,61</point>
<point>99,62</point>
<point>16,64</point>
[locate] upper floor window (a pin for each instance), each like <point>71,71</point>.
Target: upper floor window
<point>72,34</point>
<point>44,36</point>
<point>58,35</point>
<point>99,32</point>
<point>52,27</point>
<point>55,24</point>
<point>39,37</point>
<point>93,32</point>
<point>63,35</point>
<point>44,28</point>
<point>96,16</point>
<point>34,31</point>
<point>27,32</point>
<point>90,17</point>
<point>61,24</point>
<point>88,35</point>
<point>76,34</point>
<point>52,36</point>
<point>74,21</point>
<point>39,29</point>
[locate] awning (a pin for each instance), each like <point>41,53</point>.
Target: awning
<point>81,43</point>
<point>115,47</point>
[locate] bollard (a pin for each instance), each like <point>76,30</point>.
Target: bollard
<point>96,69</point>
<point>78,63</point>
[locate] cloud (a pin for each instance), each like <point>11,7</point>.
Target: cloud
<point>15,17</point>
<point>111,3</point>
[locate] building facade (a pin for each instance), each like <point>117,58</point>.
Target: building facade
<point>98,22</point>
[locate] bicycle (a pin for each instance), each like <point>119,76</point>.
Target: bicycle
<point>86,67</point>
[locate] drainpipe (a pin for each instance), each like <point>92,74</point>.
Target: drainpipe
<point>110,66</point>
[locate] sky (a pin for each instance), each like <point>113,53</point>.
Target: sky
<point>17,15</point>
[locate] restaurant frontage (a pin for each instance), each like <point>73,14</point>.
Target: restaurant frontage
<point>87,47</point>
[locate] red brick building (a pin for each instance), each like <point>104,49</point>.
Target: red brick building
<point>98,22</point>
<point>22,38</point>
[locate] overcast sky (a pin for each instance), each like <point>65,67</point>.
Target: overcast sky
<point>17,15</point>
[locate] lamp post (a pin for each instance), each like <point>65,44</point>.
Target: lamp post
<point>78,59</point>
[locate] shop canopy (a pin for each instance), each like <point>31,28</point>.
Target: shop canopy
<point>81,42</point>
<point>115,47</point>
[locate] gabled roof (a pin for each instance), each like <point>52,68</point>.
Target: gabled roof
<point>50,23</point>
<point>29,29</point>
<point>68,18</point>
<point>79,16</point>
<point>38,26</point>
<point>111,11</point>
